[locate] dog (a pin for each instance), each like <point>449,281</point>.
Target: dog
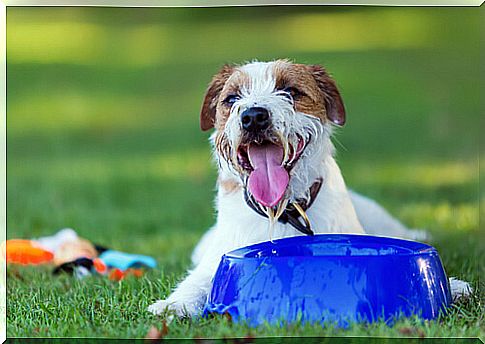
<point>278,178</point>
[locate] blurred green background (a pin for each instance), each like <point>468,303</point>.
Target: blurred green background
<point>103,133</point>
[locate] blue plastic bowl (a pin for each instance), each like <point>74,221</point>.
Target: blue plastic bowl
<point>330,278</point>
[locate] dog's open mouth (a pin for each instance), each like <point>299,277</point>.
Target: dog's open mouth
<point>269,169</point>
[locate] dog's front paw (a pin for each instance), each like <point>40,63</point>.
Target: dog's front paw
<point>172,308</point>
<point>166,307</point>
<point>460,289</point>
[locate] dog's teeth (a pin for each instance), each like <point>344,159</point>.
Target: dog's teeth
<point>250,161</point>
<point>281,208</point>
<point>285,156</point>
<point>292,158</point>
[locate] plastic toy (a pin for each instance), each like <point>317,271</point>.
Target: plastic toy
<point>74,255</point>
<point>53,242</point>
<point>125,261</point>
<point>117,274</point>
<point>24,252</point>
<point>72,250</point>
<point>331,277</point>
<point>99,266</point>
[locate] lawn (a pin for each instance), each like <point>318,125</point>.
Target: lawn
<point>103,137</point>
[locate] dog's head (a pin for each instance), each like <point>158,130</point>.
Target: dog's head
<point>272,122</point>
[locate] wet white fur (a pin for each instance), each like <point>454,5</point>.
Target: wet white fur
<point>335,210</point>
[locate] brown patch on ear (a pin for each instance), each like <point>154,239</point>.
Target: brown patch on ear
<point>334,104</point>
<point>209,106</point>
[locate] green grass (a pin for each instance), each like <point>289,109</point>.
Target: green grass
<point>103,137</point>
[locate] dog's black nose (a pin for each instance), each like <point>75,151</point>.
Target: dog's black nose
<point>255,119</point>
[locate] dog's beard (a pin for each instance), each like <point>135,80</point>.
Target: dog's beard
<point>301,139</point>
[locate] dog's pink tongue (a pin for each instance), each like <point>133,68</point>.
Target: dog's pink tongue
<point>269,180</point>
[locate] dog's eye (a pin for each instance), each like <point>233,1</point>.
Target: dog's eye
<point>292,92</point>
<point>231,99</point>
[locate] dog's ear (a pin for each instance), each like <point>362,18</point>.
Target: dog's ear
<point>209,106</point>
<point>334,104</point>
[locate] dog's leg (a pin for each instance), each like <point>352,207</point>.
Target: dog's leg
<point>203,246</point>
<point>190,295</point>
<point>377,220</point>
<point>459,289</point>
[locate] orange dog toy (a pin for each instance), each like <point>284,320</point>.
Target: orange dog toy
<point>24,252</point>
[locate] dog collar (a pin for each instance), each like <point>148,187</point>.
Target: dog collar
<point>293,211</point>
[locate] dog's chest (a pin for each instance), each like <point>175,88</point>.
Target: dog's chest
<point>240,225</point>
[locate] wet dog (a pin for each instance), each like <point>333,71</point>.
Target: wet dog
<point>273,123</point>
